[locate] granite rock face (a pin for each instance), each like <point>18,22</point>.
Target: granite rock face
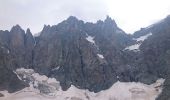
<point>13,53</point>
<point>67,55</point>
<point>8,79</point>
<point>88,55</point>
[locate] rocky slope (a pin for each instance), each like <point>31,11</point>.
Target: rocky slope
<point>88,55</point>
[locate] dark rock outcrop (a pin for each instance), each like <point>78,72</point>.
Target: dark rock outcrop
<point>1,95</point>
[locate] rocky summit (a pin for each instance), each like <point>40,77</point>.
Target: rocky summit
<point>90,56</point>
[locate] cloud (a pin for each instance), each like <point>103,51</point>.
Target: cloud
<point>36,13</point>
<point>130,15</point>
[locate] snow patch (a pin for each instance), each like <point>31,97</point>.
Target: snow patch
<point>100,56</point>
<point>142,38</point>
<point>139,41</point>
<point>117,77</point>
<point>90,39</point>
<point>56,68</point>
<point>22,70</point>
<point>134,47</point>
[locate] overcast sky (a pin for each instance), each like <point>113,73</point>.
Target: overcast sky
<point>130,15</point>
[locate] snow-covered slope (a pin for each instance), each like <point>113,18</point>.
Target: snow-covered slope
<point>119,91</point>
<point>90,39</point>
<point>143,38</point>
<point>135,47</point>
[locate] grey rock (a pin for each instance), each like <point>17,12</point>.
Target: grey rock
<point>45,89</point>
<point>1,95</point>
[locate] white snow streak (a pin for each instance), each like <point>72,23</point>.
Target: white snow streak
<point>101,56</point>
<point>142,38</point>
<point>18,76</point>
<point>56,68</point>
<point>134,47</point>
<point>90,39</point>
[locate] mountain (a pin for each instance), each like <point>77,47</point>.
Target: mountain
<point>82,54</point>
<point>90,56</point>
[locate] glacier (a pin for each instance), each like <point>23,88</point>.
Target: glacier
<point>118,91</point>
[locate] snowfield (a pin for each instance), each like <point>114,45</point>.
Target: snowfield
<point>143,38</point>
<point>90,39</point>
<point>119,90</point>
<point>135,47</point>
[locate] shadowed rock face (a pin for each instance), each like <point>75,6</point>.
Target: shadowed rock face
<point>89,55</point>
<point>8,79</point>
<point>154,56</point>
<point>13,54</point>
<point>63,52</point>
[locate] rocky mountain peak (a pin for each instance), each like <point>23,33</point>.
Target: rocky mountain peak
<point>109,19</point>
<point>16,27</point>
<point>28,31</point>
<point>17,37</point>
<point>110,22</point>
<point>29,39</point>
<point>17,30</point>
<point>46,27</point>
<point>72,23</point>
<point>72,19</point>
